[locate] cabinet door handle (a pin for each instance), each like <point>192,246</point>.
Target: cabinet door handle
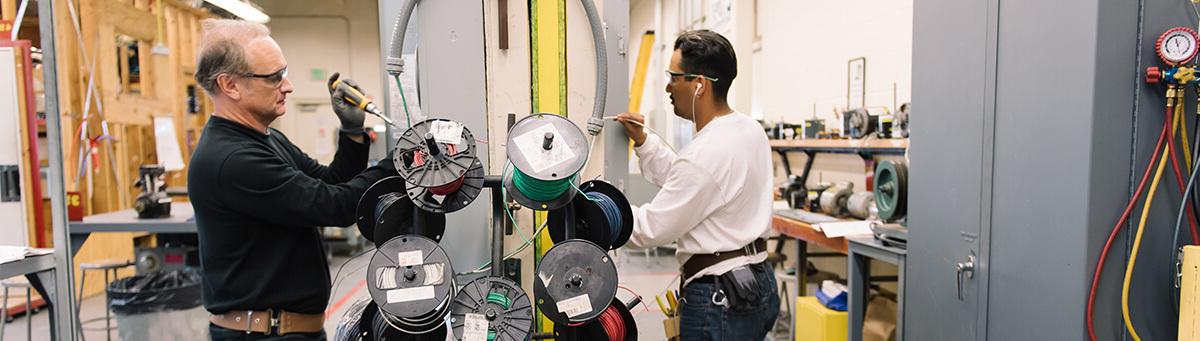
<point>962,272</point>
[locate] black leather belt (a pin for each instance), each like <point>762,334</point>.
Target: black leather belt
<point>700,262</point>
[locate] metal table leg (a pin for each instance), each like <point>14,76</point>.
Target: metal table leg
<point>860,271</point>
<point>801,267</point>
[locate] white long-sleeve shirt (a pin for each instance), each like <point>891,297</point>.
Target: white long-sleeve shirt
<point>715,194</point>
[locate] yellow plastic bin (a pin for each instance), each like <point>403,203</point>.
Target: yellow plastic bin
<point>815,322</point>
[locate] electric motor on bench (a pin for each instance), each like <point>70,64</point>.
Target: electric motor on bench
<point>437,159</point>
<point>493,309</point>
<point>833,200</point>
<point>602,215</point>
<point>891,189</point>
<point>546,152</point>
<point>575,282</point>
<point>385,211</point>
<point>861,205</point>
<point>411,279</point>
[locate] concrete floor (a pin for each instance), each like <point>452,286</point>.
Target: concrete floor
<point>647,275</point>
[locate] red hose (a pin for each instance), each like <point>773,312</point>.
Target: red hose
<point>1179,178</point>
<point>1121,223</point>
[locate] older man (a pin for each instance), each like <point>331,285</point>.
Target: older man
<point>259,199</point>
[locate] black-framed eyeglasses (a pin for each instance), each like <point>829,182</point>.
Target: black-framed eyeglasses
<point>688,76</point>
<point>273,79</point>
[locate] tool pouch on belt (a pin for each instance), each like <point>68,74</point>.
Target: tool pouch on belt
<point>741,287</point>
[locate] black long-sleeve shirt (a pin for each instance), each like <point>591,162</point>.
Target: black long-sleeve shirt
<point>259,200</point>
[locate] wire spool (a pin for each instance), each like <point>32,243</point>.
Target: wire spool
<point>546,152</point>
<point>380,330</point>
<point>436,157</point>
<point>602,216</point>
<point>891,189</point>
<point>616,323</point>
<point>411,279</point>
<point>452,197</point>
<point>496,309</point>
<point>833,200</point>
<point>575,281</point>
<point>384,212</point>
<point>355,325</point>
<point>860,204</point>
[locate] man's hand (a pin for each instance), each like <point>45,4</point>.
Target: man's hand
<point>351,115</point>
<point>634,127</point>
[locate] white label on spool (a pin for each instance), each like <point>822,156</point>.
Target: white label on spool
<point>475,328</point>
<point>530,145</point>
<point>410,258</point>
<point>575,306</point>
<point>434,273</point>
<point>410,294</point>
<point>447,132</point>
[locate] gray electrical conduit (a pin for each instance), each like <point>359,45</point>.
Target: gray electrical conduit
<point>395,64</point>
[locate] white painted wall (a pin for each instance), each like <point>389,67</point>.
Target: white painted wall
<point>807,44</point>
<point>318,38</point>
<point>792,55</point>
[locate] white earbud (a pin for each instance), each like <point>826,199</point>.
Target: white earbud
<point>698,87</point>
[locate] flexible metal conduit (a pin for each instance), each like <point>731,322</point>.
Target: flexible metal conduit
<point>395,64</point>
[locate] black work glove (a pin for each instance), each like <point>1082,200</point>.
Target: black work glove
<point>351,115</point>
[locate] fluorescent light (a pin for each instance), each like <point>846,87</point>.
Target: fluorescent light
<point>241,9</point>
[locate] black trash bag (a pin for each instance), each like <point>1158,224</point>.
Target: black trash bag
<point>154,292</point>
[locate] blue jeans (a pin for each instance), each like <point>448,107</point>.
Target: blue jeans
<point>703,319</point>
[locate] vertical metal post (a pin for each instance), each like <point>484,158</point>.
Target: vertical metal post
<point>63,319</point>
<point>498,217</point>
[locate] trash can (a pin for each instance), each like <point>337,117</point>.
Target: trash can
<point>162,305</point>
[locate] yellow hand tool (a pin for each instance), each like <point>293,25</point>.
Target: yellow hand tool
<point>360,100</point>
<point>671,299</point>
<point>666,311</point>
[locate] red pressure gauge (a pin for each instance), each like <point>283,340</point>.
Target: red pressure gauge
<point>1177,46</point>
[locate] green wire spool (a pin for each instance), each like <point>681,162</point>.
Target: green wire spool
<point>496,304</point>
<point>546,151</point>
<point>891,190</point>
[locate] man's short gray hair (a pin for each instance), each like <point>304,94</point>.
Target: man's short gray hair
<point>222,49</point>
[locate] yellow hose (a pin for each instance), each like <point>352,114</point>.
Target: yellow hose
<point>1137,243</point>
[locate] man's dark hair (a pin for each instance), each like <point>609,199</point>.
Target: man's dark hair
<point>707,53</point>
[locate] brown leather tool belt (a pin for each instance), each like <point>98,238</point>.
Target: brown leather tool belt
<point>269,322</point>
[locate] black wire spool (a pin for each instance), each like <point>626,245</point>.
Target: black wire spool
<point>606,327</point>
<point>495,304</point>
<point>891,189</point>
<point>592,222</point>
<point>449,198</point>
<point>384,212</point>
<point>545,147</point>
<point>434,156</point>
<point>411,279</point>
<point>380,330</point>
<point>574,282</point>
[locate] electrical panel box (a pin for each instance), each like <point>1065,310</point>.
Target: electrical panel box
<point>1189,294</point>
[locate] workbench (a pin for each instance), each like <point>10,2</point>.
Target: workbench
<point>804,234</point>
<point>39,270</point>
<point>182,220</point>
<point>862,250</point>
